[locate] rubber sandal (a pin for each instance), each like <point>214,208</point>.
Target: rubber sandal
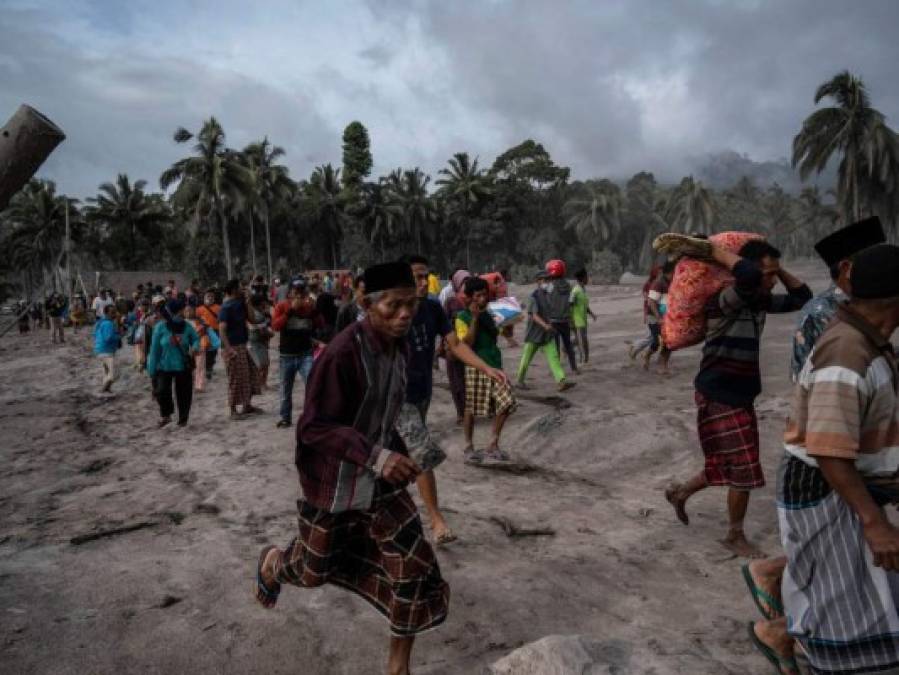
<point>261,589</point>
<point>775,607</point>
<point>773,657</point>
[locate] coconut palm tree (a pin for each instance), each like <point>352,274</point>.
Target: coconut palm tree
<point>464,188</point>
<point>690,208</point>
<point>597,215</point>
<point>125,209</point>
<point>271,183</point>
<point>328,203</point>
<point>208,180</point>
<point>36,219</point>
<point>417,206</point>
<point>855,131</point>
<point>380,213</point>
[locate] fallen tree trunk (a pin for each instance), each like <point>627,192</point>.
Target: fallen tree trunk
<point>26,141</point>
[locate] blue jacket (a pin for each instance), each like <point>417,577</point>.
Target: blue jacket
<point>106,337</point>
<point>169,358</point>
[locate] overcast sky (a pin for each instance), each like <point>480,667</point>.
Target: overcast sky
<point>609,88</point>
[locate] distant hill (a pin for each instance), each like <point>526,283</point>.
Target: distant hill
<point>723,169</point>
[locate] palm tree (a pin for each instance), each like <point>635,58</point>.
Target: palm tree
<point>271,183</point>
<point>380,212</point>
<point>208,180</point>
<point>690,208</point>
<point>464,187</point>
<point>123,207</point>
<point>597,215</point>
<point>328,203</point>
<point>855,131</point>
<point>36,216</point>
<point>409,190</point>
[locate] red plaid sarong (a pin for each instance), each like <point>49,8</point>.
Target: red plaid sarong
<point>243,380</point>
<point>380,554</point>
<point>729,437</point>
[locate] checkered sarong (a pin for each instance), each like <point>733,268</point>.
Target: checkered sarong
<point>243,381</point>
<point>380,554</point>
<point>729,437</point>
<point>486,398</point>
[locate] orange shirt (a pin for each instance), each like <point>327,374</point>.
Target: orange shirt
<point>210,315</point>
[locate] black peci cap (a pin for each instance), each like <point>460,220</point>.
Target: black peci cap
<point>845,243</point>
<point>388,275</point>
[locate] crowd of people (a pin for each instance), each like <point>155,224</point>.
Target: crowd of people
<point>366,347</point>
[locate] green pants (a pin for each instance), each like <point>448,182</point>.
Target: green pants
<point>552,358</point>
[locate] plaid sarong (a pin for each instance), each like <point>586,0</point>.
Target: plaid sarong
<point>843,609</point>
<point>380,554</point>
<point>486,398</point>
<point>729,437</point>
<point>243,380</point>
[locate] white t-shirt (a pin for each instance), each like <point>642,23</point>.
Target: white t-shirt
<point>100,305</point>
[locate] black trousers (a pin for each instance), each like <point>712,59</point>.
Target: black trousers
<point>210,360</point>
<point>184,392</point>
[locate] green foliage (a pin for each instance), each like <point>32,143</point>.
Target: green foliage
<point>357,159</point>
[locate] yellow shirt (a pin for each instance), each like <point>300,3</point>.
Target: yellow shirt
<point>433,284</point>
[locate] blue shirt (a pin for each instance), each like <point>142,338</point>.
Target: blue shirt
<point>169,352</point>
<point>234,314</point>
<point>430,322</point>
<point>814,317</point>
<point>106,337</point>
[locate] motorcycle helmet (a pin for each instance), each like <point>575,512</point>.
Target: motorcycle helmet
<point>555,269</point>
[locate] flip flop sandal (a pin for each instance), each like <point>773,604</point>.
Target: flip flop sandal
<point>497,456</point>
<point>775,608</point>
<point>783,666</point>
<point>261,589</point>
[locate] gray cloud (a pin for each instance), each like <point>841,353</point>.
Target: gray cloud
<point>609,88</point>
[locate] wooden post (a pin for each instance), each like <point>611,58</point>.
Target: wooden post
<point>26,141</point>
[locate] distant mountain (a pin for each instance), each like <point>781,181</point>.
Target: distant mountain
<point>722,169</point>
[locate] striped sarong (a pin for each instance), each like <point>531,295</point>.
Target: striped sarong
<point>243,380</point>
<point>729,437</point>
<point>380,554</point>
<point>840,606</point>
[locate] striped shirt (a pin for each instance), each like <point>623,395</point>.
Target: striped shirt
<point>735,318</point>
<point>845,402</point>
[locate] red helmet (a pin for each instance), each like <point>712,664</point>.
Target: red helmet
<point>555,268</point>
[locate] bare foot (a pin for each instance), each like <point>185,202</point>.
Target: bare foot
<point>441,531</point>
<point>737,542</point>
<point>675,497</point>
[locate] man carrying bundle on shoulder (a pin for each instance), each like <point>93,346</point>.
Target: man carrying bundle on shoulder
<point>729,378</point>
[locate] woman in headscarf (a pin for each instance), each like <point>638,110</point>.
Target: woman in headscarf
<point>455,369</point>
<point>170,362</point>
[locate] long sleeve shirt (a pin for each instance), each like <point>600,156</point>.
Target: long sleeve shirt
<point>735,319</point>
<point>354,394</point>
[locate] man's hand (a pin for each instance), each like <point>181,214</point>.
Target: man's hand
<point>883,539</point>
<point>296,304</point>
<point>399,469</point>
<point>498,376</point>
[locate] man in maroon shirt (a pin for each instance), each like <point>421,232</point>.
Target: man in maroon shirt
<point>358,526</point>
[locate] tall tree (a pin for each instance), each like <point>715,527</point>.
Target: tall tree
<point>855,131</point>
<point>271,183</point>
<point>690,207</point>
<point>328,204</point>
<point>357,160</point>
<point>209,180</point>
<point>132,219</point>
<point>416,204</point>
<point>464,187</point>
<point>595,216</point>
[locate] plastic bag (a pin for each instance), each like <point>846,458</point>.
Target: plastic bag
<point>694,282</point>
<point>505,311</point>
